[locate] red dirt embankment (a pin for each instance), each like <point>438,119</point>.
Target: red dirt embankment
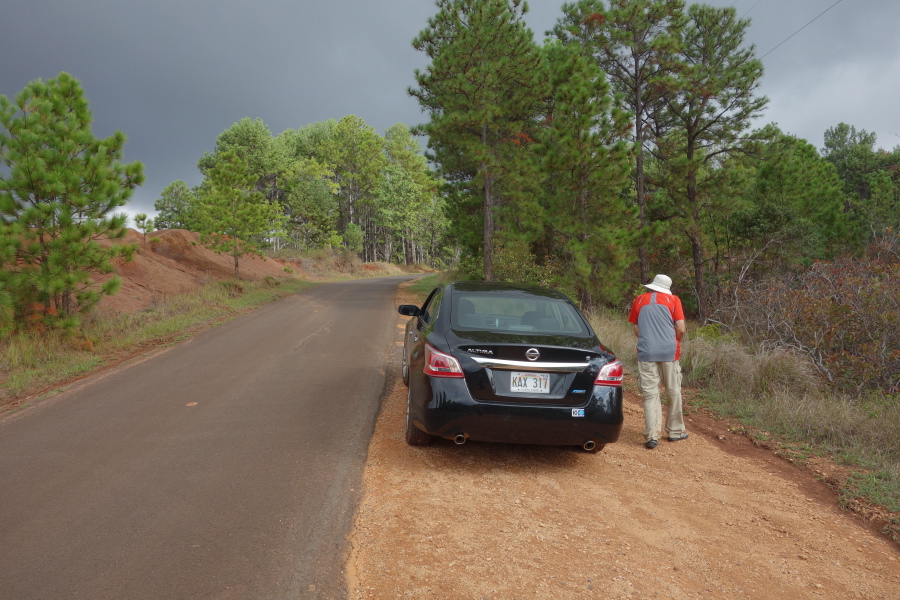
<point>175,262</point>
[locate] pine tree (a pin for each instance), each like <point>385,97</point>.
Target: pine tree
<point>587,162</point>
<point>709,100</point>
<point>176,207</point>
<point>311,204</point>
<point>234,213</point>
<point>57,196</point>
<point>795,204</point>
<point>482,92</point>
<point>630,42</point>
<point>420,221</point>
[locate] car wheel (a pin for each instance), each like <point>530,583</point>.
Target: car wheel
<point>405,368</point>
<point>414,435</point>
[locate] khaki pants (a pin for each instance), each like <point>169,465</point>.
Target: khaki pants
<point>649,376</point>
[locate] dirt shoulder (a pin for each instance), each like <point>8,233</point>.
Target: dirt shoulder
<point>709,517</point>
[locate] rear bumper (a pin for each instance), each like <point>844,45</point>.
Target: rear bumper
<point>449,410</point>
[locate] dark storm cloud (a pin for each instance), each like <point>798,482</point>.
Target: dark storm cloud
<point>174,74</point>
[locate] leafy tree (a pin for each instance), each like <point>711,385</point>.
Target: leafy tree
<point>58,190</point>
<point>631,41</point>
<point>356,154</point>
<point>418,218</point>
<point>311,204</point>
<point>482,92</point>
<point>589,222</point>
<point>709,99</point>
<point>265,158</point>
<point>234,212</point>
<point>176,207</point>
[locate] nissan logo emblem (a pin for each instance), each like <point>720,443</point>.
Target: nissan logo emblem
<point>532,354</point>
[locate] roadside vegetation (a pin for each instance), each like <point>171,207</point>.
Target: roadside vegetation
<point>781,401</point>
<point>40,358</point>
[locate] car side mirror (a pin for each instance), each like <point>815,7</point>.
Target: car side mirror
<point>408,310</point>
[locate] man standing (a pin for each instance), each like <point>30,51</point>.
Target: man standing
<point>658,321</point>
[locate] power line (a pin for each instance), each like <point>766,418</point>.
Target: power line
<point>799,30</point>
<point>751,8</point>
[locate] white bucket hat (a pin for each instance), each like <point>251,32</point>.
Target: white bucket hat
<point>660,283</point>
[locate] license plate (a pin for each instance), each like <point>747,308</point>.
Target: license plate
<point>530,383</point>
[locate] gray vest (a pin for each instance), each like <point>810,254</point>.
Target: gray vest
<point>657,341</point>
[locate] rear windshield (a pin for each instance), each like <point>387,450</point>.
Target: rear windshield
<point>521,313</point>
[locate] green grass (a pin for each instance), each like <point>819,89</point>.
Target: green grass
<point>31,362</point>
<point>424,285</point>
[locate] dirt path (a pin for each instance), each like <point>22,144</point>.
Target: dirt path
<point>710,517</point>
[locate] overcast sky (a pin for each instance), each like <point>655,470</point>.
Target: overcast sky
<point>173,74</point>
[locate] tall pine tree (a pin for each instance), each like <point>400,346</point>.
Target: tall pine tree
<point>630,41</point>
<point>482,92</point>
<point>587,161</point>
<point>709,100</point>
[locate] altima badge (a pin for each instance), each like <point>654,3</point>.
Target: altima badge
<point>532,354</point>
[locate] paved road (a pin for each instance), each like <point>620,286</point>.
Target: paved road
<point>121,488</point>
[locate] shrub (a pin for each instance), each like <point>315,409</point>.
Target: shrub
<point>843,316</point>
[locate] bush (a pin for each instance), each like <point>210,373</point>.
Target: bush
<point>513,262</point>
<point>843,316</point>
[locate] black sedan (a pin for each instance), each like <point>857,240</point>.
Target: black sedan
<point>508,363</point>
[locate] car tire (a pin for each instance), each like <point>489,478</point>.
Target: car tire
<point>414,435</point>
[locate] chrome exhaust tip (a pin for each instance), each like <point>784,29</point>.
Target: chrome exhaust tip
<point>589,445</point>
<point>460,439</point>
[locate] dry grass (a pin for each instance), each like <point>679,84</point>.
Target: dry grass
<point>33,361</point>
<point>779,395</point>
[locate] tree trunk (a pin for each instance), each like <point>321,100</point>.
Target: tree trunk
<point>488,230</point>
<point>696,237</point>
<point>639,175</point>
<point>699,283</point>
<point>488,214</point>
<point>405,241</point>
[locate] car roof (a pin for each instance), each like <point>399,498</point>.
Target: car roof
<point>502,286</point>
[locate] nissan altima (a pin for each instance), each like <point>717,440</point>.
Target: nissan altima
<point>509,363</point>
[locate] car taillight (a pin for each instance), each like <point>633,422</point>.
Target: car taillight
<point>610,374</point>
<point>438,364</point>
